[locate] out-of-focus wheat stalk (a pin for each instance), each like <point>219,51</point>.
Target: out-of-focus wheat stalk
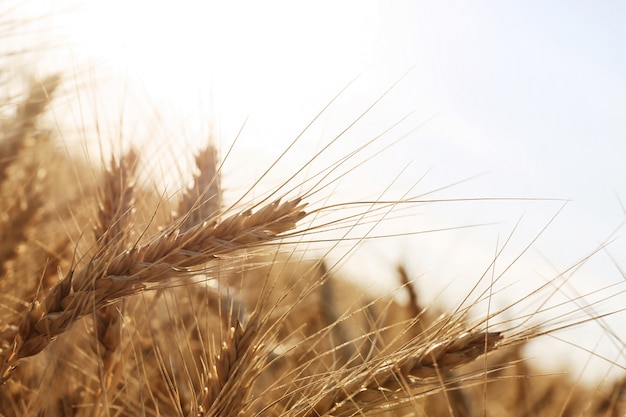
<point>14,136</point>
<point>203,200</point>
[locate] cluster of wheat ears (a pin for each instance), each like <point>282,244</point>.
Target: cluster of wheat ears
<point>115,301</point>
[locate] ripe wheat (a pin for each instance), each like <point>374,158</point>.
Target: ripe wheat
<point>113,303</point>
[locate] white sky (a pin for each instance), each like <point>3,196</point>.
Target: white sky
<point>530,94</point>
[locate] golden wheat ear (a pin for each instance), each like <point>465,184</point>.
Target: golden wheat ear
<point>384,381</point>
<point>111,276</point>
<point>113,231</point>
<point>203,199</point>
<point>233,371</point>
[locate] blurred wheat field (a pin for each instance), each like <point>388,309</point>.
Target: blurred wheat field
<point>118,299</point>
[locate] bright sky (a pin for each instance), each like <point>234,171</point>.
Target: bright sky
<point>530,94</point>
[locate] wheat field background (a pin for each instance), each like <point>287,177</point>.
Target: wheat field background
<point>143,275</point>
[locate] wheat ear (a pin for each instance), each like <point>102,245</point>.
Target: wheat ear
<point>113,231</point>
<point>203,200</point>
<point>232,372</point>
<point>14,135</point>
<point>403,368</point>
<point>110,277</point>
<point>415,310</point>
